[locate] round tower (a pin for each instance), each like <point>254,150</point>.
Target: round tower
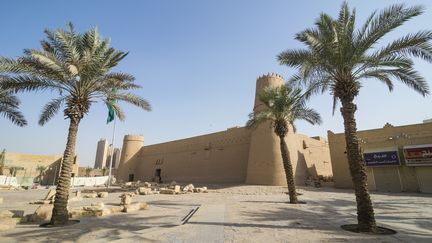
<point>265,162</point>
<point>132,144</point>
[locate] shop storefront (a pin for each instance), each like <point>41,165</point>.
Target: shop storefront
<point>384,165</point>
<point>420,157</point>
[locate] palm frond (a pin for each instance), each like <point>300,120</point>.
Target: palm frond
<point>386,21</point>
<point>119,112</point>
<point>134,100</point>
<point>282,104</point>
<point>50,109</point>
<point>412,79</point>
<point>9,105</point>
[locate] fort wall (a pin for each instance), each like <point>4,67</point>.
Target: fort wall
<point>237,155</point>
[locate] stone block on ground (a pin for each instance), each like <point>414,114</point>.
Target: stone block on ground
<point>177,189</point>
<point>117,209</point>
<point>80,212</point>
<point>188,188</point>
<point>134,207</point>
<point>167,191</point>
<point>146,184</point>
<point>42,213</point>
<point>90,195</point>
<point>102,194</point>
<point>7,224</point>
<point>173,183</point>
<point>126,199</point>
<point>200,189</point>
<point>97,209</point>
<point>6,214</point>
<point>144,191</point>
<point>98,204</point>
<point>78,193</point>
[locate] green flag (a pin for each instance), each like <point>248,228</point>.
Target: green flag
<point>111,111</point>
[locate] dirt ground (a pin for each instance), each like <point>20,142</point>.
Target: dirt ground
<point>232,213</point>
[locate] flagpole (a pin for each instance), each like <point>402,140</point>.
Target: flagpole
<point>112,153</point>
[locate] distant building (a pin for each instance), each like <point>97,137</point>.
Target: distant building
<point>24,167</point>
<point>427,121</point>
<point>101,154</point>
<point>116,161</point>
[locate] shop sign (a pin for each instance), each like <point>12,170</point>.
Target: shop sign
<point>418,155</point>
<point>382,158</point>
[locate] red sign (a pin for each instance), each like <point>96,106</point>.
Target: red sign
<point>418,155</point>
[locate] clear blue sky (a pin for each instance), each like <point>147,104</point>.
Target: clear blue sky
<point>197,62</point>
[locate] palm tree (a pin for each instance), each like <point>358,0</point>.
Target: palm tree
<point>78,67</point>
<point>2,161</point>
<point>14,169</point>
<point>283,106</point>
<point>41,170</point>
<point>9,107</point>
<point>339,58</point>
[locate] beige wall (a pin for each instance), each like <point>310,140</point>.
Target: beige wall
<point>237,155</point>
<point>82,172</point>
<point>218,157</point>
<point>29,163</point>
<point>387,178</point>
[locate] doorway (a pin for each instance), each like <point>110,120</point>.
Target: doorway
<point>158,174</point>
<point>131,177</point>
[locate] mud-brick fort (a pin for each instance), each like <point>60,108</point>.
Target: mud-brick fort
<point>237,155</point>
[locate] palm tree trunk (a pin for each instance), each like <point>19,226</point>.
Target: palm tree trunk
<point>288,170</point>
<point>60,214</point>
<point>365,212</point>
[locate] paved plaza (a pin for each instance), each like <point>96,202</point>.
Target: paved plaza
<point>232,213</point>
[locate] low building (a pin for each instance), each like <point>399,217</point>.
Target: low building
<point>24,167</point>
<point>237,155</point>
<point>398,159</point>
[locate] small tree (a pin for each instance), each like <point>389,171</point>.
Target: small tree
<point>104,170</point>
<point>41,171</point>
<point>88,171</point>
<point>14,169</point>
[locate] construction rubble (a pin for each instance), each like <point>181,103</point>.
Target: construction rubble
<point>146,188</point>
